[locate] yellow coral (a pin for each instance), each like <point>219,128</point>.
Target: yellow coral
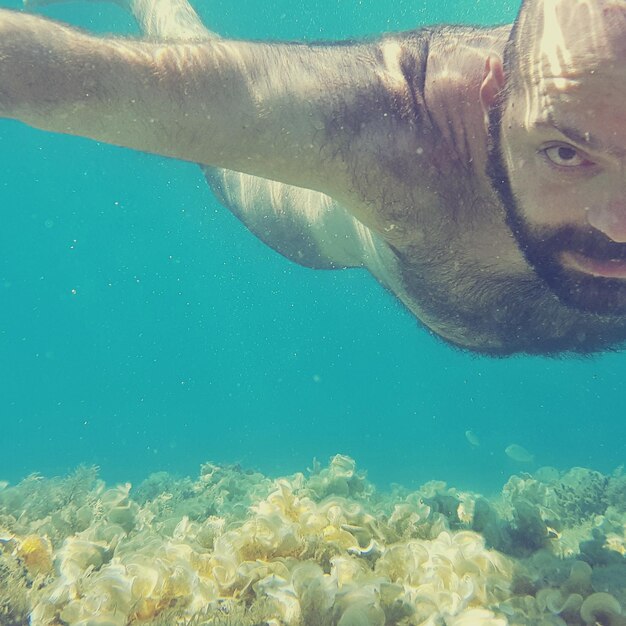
<point>615,542</point>
<point>305,549</point>
<point>36,553</point>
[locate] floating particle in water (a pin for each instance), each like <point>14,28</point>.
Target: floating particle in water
<point>472,437</point>
<point>519,454</point>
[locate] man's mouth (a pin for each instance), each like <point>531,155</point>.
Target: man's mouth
<point>606,268</point>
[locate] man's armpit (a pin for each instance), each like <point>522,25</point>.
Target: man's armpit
<point>384,134</point>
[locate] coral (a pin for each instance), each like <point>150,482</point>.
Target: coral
<point>616,492</point>
<point>327,549</point>
<point>611,579</point>
<point>223,613</point>
<point>562,513</point>
<point>38,498</point>
<point>220,491</point>
<point>601,608</point>
<point>581,493</point>
<point>55,507</point>
<point>340,478</point>
<point>36,554</point>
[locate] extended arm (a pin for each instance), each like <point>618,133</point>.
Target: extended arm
<point>305,115</point>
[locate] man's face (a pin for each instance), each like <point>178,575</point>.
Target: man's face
<point>561,148</point>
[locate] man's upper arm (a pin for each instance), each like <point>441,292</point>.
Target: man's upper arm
<point>338,118</point>
<point>343,119</point>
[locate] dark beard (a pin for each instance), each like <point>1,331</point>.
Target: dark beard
<point>542,247</point>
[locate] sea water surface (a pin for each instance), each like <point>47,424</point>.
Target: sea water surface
<point>142,328</point>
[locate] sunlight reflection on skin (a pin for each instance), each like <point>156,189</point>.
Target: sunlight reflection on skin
<point>570,39</point>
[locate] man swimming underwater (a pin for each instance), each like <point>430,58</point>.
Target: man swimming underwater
<point>479,174</point>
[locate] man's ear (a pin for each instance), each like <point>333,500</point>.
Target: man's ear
<point>493,82</point>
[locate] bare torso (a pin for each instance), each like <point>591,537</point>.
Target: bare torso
<point>459,269</point>
<point>367,154</point>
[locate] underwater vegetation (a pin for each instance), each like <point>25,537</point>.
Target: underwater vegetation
<point>236,548</point>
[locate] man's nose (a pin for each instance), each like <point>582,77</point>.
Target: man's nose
<point>610,219</point>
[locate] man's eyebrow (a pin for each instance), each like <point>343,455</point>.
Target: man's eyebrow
<point>581,138</point>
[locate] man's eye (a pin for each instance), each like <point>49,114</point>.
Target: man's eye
<point>565,156</point>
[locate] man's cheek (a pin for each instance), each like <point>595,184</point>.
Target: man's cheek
<point>550,205</point>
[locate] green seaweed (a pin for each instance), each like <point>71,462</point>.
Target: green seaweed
<point>63,506</point>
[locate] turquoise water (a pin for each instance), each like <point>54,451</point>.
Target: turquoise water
<point>142,328</point>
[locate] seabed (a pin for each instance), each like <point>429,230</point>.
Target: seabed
<point>325,548</point>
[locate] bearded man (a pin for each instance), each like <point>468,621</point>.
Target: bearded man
<point>477,173</point>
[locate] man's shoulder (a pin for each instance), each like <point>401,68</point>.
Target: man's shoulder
<point>455,69</point>
<point>432,48</point>
<point>388,135</point>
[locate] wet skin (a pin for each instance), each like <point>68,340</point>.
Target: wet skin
<point>494,209</point>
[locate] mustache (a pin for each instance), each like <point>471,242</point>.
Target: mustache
<point>588,242</point>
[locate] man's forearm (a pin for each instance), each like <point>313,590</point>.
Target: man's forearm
<point>157,98</point>
<point>60,79</point>
<point>249,107</point>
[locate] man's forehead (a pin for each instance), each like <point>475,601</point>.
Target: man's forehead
<point>562,46</point>
<point>558,35</point>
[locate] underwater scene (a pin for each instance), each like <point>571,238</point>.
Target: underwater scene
<point>197,431</point>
